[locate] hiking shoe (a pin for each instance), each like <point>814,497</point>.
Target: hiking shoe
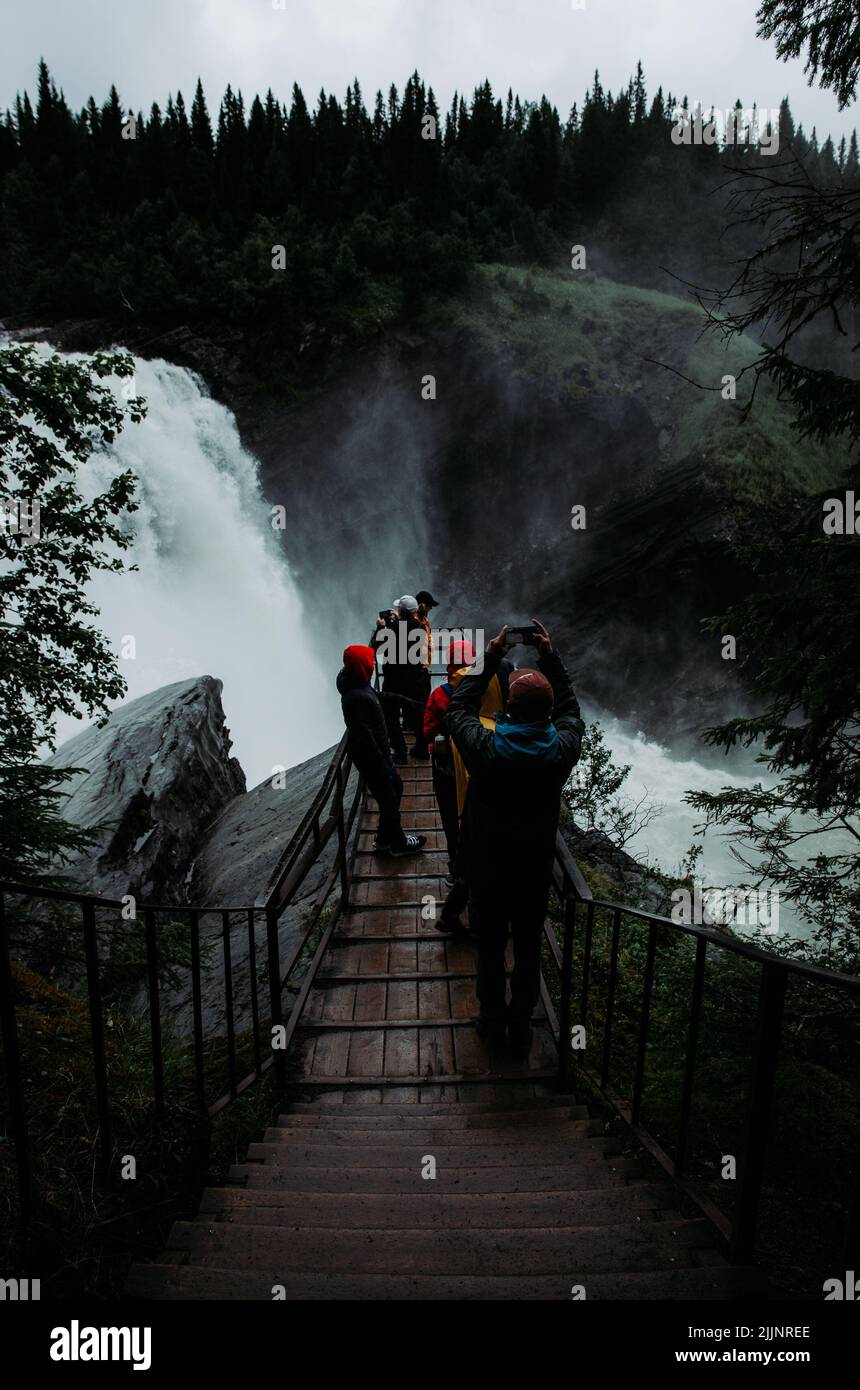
<point>492,1030</point>
<point>450,925</point>
<point>519,1038</point>
<point>414,845</point>
<point>445,925</point>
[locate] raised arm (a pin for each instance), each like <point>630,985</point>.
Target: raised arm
<point>566,714</point>
<point>475,744</point>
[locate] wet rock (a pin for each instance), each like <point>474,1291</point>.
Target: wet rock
<point>153,777</point>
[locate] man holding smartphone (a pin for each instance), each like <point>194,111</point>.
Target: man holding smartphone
<point>517,773</point>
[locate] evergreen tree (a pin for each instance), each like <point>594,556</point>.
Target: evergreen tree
<point>828,31</point>
<point>54,414</point>
<point>201,127</point>
<point>799,625</point>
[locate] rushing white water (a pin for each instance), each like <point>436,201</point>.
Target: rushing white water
<point>213,594</point>
<point>665,780</point>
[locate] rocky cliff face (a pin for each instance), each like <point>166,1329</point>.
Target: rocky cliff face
<point>155,776</point>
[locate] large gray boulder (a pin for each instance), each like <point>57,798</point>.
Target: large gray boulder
<point>232,869</point>
<point>244,842</point>
<point>180,830</point>
<point>155,776</point>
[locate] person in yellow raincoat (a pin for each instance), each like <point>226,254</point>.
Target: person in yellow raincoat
<point>450,777</point>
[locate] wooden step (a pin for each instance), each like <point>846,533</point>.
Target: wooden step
<point>397,892</point>
<point>479,1078</point>
<point>385,922</point>
<point>415,798</point>
<point>396,933</point>
<point>511,1105</point>
<point>436,842</point>
<point>447,1137</point>
<point>395,977</point>
<point>318,1153</point>
<point>388,866</point>
<point>438,1211</point>
<point>341,1025</point>
<point>531,1177</point>
<point>170,1281</point>
<point>594,1249</point>
<point>540,1120</point>
<point>419,821</point>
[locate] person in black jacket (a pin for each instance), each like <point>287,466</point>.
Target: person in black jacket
<point>401,641</point>
<point>369,750</point>
<point>510,823</point>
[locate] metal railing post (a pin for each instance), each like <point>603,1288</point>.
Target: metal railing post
<point>17,1108</point>
<point>252,977</point>
<point>228,1001</point>
<point>852,1229</point>
<point>341,840</point>
<point>154,1011</point>
<point>645,1018</point>
<point>610,996</point>
<point>564,1058</point>
<point>91,952</point>
<point>774,978</point>
<point>586,965</point>
<point>197,1010</point>
<point>275,1009</point>
<point>690,1062</point>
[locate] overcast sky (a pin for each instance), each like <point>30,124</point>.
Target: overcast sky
<point>706,49</point>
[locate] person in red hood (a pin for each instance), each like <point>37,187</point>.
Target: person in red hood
<point>370,752</point>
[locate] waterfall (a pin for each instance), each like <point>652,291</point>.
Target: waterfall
<point>665,778</point>
<point>213,594</point>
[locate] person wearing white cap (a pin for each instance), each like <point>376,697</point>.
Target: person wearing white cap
<point>405,675</point>
<point>415,613</point>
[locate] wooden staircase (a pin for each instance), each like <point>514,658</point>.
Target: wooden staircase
<point>529,1200</point>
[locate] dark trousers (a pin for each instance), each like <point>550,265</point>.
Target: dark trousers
<point>391,710</point>
<point>420,691</point>
<point>415,690</point>
<point>445,787</point>
<point>493,910</point>
<point>455,903</point>
<point>388,792</point>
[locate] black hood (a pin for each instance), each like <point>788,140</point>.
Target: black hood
<point>348,680</point>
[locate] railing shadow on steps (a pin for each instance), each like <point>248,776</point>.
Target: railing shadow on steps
<point>326,818</point>
<point>579,909</point>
